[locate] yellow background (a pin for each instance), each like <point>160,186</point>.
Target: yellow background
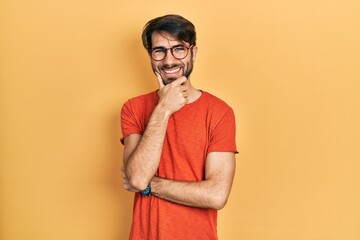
<point>290,70</point>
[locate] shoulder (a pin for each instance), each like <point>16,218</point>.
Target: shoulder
<point>215,109</point>
<point>144,98</point>
<point>142,101</point>
<point>140,105</point>
<point>214,102</point>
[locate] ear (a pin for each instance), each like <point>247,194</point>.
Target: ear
<point>194,52</point>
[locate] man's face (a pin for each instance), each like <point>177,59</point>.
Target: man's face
<point>171,68</point>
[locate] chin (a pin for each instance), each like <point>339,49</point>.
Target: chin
<point>169,80</point>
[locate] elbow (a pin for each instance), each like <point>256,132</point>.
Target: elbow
<point>137,183</point>
<point>136,180</point>
<point>219,205</point>
<point>219,201</point>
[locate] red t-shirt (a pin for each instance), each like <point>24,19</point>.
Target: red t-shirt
<point>206,125</point>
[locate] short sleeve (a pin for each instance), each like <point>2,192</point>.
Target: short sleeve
<point>129,123</point>
<point>222,137</point>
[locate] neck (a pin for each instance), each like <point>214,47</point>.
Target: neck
<point>194,94</point>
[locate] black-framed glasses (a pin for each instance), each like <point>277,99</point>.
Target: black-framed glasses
<point>179,52</point>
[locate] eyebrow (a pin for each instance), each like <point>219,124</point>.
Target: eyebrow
<point>159,47</point>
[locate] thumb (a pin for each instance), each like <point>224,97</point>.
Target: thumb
<point>160,80</point>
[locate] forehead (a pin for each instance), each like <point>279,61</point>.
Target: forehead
<point>164,39</point>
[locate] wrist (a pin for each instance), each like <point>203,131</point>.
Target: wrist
<point>162,112</point>
<point>155,183</point>
<point>146,191</point>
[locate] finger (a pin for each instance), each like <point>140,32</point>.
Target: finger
<point>180,81</point>
<point>160,80</point>
<point>186,83</point>
<point>186,100</point>
<point>184,88</point>
<point>127,186</point>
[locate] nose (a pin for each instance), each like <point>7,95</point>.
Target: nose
<point>169,58</point>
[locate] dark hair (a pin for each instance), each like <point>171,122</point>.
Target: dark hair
<point>179,27</point>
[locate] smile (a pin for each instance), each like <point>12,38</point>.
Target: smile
<point>170,71</point>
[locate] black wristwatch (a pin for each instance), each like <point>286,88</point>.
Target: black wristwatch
<point>146,191</point>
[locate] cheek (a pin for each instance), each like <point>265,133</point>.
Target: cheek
<point>153,66</point>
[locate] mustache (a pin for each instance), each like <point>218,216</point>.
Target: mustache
<point>168,66</point>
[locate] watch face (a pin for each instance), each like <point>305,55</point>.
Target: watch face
<point>146,191</point>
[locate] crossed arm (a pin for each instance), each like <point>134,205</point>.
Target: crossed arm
<point>212,192</point>
<point>142,156</point>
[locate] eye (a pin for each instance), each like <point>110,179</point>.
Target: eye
<point>179,49</point>
<point>159,50</point>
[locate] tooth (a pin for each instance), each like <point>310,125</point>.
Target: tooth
<point>172,71</point>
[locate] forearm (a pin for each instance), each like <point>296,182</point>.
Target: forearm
<point>142,156</point>
<point>202,194</point>
<point>141,165</point>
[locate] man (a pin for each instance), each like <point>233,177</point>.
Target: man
<point>179,143</point>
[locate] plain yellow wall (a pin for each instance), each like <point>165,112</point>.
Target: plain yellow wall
<point>290,70</point>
